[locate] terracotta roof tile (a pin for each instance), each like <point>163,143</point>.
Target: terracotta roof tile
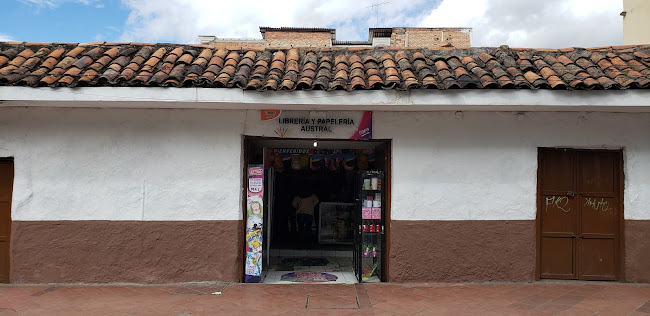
<point>141,64</point>
<point>94,53</point>
<point>26,53</point>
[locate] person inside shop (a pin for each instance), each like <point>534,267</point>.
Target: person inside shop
<point>304,203</point>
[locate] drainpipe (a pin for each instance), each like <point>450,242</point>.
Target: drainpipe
<point>406,40</point>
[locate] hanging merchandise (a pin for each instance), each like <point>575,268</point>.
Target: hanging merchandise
<point>362,161</point>
<point>316,161</point>
<point>295,162</point>
<point>278,160</point>
<point>335,161</point>
<point>298,159</point>
<point>348,160</point>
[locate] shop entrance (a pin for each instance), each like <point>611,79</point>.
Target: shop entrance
<point>580,214</point>
<point>325,210</point>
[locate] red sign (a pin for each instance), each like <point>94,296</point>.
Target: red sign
<point>268,115</point>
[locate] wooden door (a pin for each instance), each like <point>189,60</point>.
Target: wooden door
<point>579,214</point>
<point>6,188</point>
<point>598,187</point>
<point>559,215</point>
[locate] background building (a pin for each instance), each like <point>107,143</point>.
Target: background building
<point>636,22</point>
<point>393,37</point>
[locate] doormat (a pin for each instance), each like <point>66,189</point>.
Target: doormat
<point>305,262</point>
<point>308,277</point>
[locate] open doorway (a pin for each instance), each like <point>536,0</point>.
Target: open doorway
<point>317,221</point>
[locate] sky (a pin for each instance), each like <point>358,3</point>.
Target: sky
<point>517,23</point>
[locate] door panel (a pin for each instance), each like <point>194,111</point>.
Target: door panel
<point>559,215</point>
<point>558,171</point>
<point>599,215</point>
<point>596,172</point>
<point>6,186</point>
<point>597,259</point>
<point>579,214</point>
<point>5,221</point>
<point>557,258</point>
<point>6,181</point>
<point>598,184</point>
<point>4,262</point>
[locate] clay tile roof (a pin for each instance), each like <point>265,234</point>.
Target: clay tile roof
<point>171,65</point>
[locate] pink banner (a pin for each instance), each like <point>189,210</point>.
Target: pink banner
<point>364,130</point>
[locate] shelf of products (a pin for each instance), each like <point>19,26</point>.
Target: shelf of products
<point>371,238</point>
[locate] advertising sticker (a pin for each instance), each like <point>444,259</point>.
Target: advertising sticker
<point>254,212</point>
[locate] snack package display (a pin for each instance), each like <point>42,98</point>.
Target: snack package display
<point>366,213</point>
<point>375,213</point>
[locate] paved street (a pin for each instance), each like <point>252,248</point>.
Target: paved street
<point>540,298</point>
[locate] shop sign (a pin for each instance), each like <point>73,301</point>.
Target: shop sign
<point>318,124</point>
<point>255,213</point>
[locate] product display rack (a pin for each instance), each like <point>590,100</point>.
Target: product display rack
<point>370,236</point>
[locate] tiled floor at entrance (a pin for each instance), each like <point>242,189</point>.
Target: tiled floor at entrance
<point>275,277</point>
<point>537,298</point>
<point>338,263</point>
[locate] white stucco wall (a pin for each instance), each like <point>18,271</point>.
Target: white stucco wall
<point>484,165</point>
<point>159,164</point>
<point>102,164</point>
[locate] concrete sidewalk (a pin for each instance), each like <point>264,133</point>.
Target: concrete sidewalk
<point>539,298</point>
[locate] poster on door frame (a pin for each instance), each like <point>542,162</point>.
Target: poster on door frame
<point>254,220</point>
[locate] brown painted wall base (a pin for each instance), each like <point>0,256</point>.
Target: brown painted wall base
<point>180,251</point>
<point>456,251</point>
<point>126,251</point>
<point>637,250</point>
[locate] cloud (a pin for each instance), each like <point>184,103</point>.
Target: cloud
<point>548,23</point>
<point>5,37</point>
<point>55,3</point>
<point>518,23</point>
<point>183,20</point>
